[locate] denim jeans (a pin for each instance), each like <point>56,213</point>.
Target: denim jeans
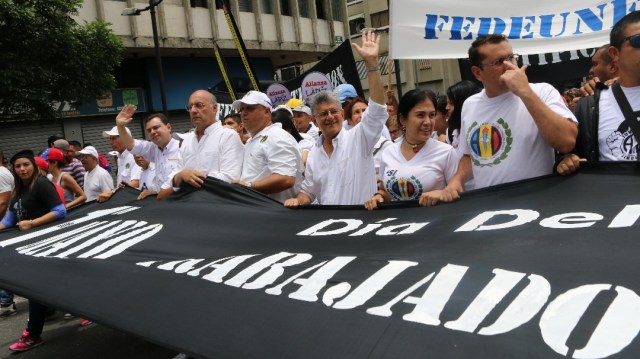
<point>6,298</point>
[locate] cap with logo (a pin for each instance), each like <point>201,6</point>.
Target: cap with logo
<point>253,98</point>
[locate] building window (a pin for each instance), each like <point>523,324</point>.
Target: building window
<point>265,6</point>
<point>199,3</point>
<point>356,24</point>
<point>303,7</point>
<point>245,6</point>
<point>380,19</point>
<point>320,10</point>
<point>285,7</point>
<point>336,7</point>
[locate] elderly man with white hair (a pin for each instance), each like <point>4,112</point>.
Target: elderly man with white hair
<point>340,168</point>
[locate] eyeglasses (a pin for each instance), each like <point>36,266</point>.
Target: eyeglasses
<point>198,105</point>
<point>634,40</point>
<point>498,62</point>
<point>324,114</point>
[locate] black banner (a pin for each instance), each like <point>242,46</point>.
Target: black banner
<point>538,269</point>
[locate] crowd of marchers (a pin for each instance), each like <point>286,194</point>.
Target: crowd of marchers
<point>337,148</point>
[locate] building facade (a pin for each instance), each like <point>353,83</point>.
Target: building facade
<point>281,36</point>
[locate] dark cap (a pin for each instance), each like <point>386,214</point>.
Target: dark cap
<point>22,154</point>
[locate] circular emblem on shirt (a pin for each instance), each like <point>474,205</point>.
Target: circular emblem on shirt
<point>489,143</point>
<point>404,189</point>
<point>622,144</point>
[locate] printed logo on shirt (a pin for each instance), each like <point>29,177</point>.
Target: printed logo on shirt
<point>490,143</point>
<point>404,189</point>
<point>623,145</point>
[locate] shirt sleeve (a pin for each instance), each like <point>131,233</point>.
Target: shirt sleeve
<point>308,186</point>
<point>231,154</point>
<point>370,128</point>
<point>284,156</point>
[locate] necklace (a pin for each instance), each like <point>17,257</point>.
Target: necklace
<point>415,147</point>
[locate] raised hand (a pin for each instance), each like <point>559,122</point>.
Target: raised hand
<point>126,115</point>
<point>369,49</point>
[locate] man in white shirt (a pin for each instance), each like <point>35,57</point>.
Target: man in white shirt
<point>605,134</point>
<point>98,183</point>
<point>340,168</point>
<point>211,150</point>
<point>303,118</point>
<point>128,170</point>
<point>510,129</point>
<point>272,162</point>
<point>163,150</point>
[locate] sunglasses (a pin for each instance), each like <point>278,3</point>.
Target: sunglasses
<point>634,40</point>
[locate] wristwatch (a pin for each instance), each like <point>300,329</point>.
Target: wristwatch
<point>248,184</point>
<point>373,68</point>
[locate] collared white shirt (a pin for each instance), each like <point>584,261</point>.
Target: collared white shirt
<point>96,181</point>
<point>167,160</point>
<point>347,177</point>
<point>218,153</point>
<point>273,150</point>
<point>128,170</point>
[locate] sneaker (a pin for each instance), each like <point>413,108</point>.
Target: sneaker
<point>8,309</point>
<point>85,322</point>
<point>25,342</point>
<point>68,316</point>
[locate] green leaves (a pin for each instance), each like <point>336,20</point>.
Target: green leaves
<point>46,56</point>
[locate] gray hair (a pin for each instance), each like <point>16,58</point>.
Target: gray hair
<point>322,97</point>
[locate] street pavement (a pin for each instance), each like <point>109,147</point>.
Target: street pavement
<point>66,339</point>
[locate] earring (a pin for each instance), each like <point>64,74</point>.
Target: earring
<point>404,129</point>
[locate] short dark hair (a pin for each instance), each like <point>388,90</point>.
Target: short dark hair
<point>441,105</point>
<point>75,144</point>
<point>475,57</point>
<point>234,116</point>
<point>410,99</point>
<point>52,139</point>
<point>605,53</point>
<point>159,115</point>
<point>616,37</point>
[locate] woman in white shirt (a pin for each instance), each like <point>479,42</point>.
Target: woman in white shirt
<point>419,166</point>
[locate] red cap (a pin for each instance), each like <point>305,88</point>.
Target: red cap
<point>55,154</point>
<point>44,165</point>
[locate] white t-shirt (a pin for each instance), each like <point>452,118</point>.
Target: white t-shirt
<point>430,169</point>
<point>273,150</point>
<point>148,179</point>
<point>218,153</point>
<point>6,180</point>
<point>503,140</point>
<point>97,181</point>
<point>128,170</point>
<point>616,141</point>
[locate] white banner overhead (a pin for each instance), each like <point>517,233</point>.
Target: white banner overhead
<point>437,29</point>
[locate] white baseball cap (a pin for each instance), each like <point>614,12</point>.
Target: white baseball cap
<point>283,107</point>
<point>114,132</point>
<point>302,108</point>
<point>89,150</point>
<point>253,98</point>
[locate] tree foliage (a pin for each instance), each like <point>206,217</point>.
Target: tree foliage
<point>46,56</point>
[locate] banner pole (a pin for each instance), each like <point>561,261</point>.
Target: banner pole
<point>225,71</point>
<point>237,38</point>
